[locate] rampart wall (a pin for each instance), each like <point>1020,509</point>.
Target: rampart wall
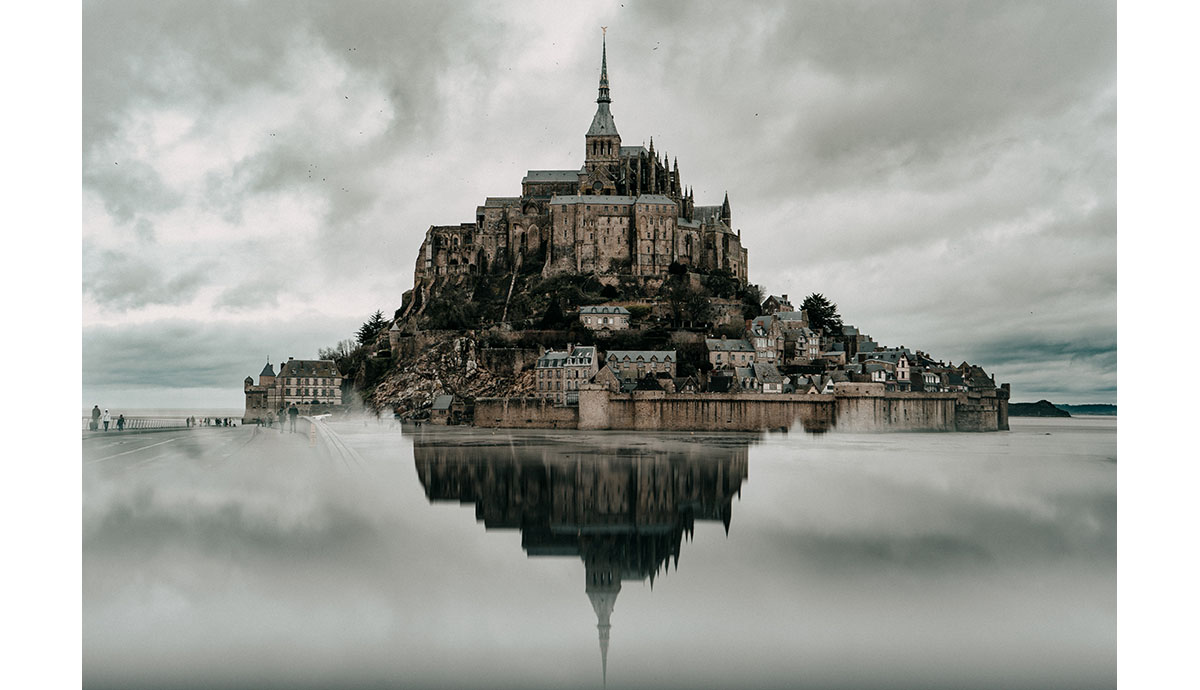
<point>852,407</point>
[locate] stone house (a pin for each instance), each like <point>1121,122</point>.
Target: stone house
<point>440,412</point>
<point>559,374</point>
<point>766,335</point>
<point>774,305</point>
<point>769,379</point>
<point>723,352</point>
<point>604,317</point>
<point>634,364</point>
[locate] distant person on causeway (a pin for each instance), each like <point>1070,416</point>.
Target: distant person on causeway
<point>293,412</point>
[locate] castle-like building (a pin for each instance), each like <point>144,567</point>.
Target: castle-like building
<point>624,212</point>
<point>307,383</point>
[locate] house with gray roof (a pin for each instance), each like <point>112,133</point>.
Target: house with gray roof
<point>634,364</point>
<point>724,352</point>
<point>604,317</point>
<point>769,379</point>
<point>559,374</point>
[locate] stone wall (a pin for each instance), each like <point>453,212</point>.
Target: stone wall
<point>657,410</point>
<point>524,413</point>
<point>861,407</point>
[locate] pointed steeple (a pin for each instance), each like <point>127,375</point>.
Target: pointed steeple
<point>603,97</point>
<point>602,123</point>
<point>602,590</point>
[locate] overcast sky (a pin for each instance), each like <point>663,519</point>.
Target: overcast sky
<point>257,177</point>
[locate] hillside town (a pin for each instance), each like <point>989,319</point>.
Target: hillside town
<point>609,277</point>
<point>778,353</point>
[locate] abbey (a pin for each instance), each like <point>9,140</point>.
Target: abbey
<point>623,212</point>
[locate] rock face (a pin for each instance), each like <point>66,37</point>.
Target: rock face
<point>444,363</point>
<point>1041,408</point>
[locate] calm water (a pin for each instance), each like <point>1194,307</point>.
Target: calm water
<point>461,558</point>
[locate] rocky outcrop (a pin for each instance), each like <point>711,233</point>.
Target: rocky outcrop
<point>445,363</point>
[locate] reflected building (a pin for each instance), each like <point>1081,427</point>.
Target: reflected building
<point>623,511</point>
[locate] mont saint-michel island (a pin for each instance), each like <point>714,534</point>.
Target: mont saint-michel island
<point>607,297</point>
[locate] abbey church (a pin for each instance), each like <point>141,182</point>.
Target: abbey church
<point>625,211</point>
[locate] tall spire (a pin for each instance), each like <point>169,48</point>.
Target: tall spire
<point>603,98</point>
<point>602,123</point>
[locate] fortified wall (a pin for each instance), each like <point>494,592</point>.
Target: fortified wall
<point>864,407</point>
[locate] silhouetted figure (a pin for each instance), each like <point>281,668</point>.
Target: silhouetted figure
<point>293,412</point>
<point>121,423</point>
<point>95,417</point>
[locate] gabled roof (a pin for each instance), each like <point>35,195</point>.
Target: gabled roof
<point>551,176</point>
<point>655,199</point>
<point>580,356</point>
<point>768,373</point>
<point>724,345</point>
<point>500,201</point>
<point>603,309</point>
<point>442,402</point>
<point>789,315</point>
<point>634,356</point>
<point>308,367</point>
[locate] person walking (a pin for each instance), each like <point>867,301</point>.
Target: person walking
<point>280,420</point>
<point>95,417</point>
<point>106,419</point>
<point>121,423</point>
<point>293,412</point>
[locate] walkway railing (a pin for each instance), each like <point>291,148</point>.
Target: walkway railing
<point>140,423</point>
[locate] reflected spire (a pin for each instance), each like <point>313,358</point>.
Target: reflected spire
<point>602,590</point>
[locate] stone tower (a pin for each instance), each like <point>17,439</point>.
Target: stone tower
<point>267,376</point>
<point>602,142</point>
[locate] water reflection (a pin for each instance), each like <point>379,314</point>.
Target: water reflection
<point>625,511</point>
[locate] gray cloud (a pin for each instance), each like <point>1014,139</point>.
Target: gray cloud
<point>945,171</point>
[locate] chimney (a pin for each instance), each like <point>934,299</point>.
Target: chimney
<point>785,297</point>
<point>570,348</point>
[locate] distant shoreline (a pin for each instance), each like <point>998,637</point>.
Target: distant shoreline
<point>1044,408</point>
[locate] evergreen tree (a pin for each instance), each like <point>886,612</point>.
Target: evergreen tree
<point>823,315</point>
<point>373,327</point>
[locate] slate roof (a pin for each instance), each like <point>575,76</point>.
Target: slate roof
<point>442,402</point>
<point>582,356</point>
<point>768,373</point>
<point>655,199</point>
<point>603,309</point>
<point>724,345</point>
<point>308,367</point>
<point>632,356</point>
<point>602,122</point>
<point>267,370</point>
<point>551,176</point>
<point>501,201</point>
